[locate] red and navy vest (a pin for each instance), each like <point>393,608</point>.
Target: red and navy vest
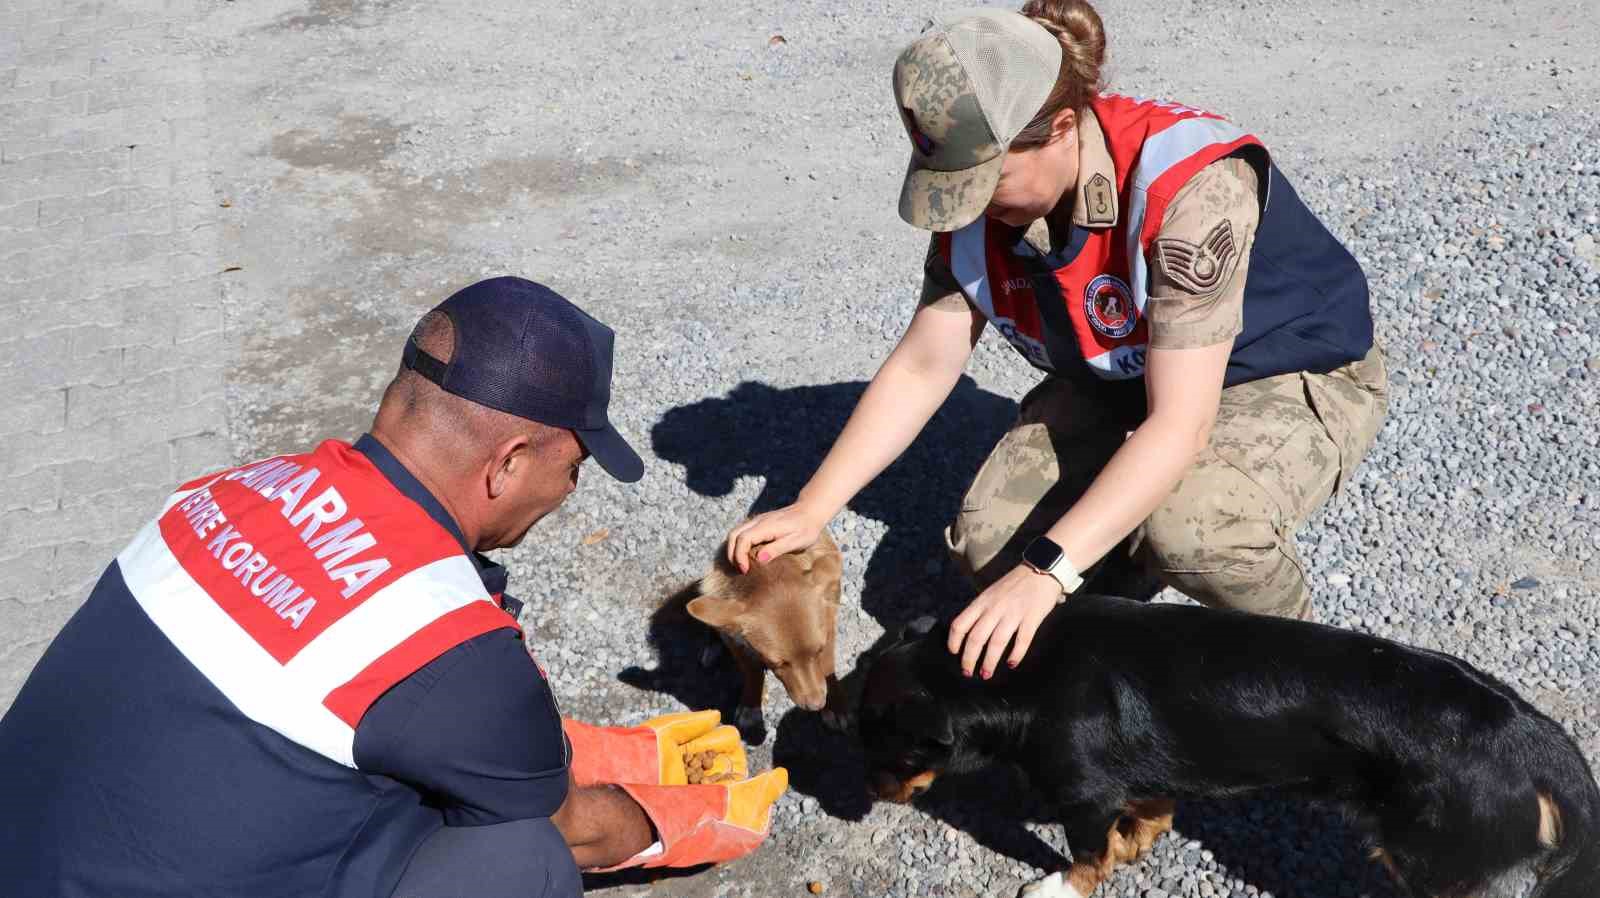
<point>1081,308</point>
<point>303,587</point>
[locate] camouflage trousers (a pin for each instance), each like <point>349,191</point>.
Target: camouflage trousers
<point>1225,536</point>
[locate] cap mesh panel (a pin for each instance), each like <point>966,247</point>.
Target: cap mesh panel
<point>524,350</point>
<point>1011,68</point>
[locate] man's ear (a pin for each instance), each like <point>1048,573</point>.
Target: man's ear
<point>718,612</point>
<point>510,460</point>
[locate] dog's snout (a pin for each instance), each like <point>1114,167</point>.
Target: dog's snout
<point>806,688</point>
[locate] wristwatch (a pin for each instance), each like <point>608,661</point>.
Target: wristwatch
<point>1045,557</point>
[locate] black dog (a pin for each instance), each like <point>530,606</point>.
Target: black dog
<point>1121,708</point>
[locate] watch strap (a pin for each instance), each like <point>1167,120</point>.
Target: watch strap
<point>1061,569</point>
<point>1067,576</point>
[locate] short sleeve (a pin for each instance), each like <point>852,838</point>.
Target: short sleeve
<point>1199,259</point>
<point>939,287</point>
<point>476,730</point>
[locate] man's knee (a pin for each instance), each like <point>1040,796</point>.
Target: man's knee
<point>1219,540</point>
<point>518,859</point>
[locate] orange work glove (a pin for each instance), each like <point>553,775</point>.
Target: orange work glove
<point>706,824</point>
<point>657,752</point>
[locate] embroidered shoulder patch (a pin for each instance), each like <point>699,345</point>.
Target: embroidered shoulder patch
<point>1198,267</point>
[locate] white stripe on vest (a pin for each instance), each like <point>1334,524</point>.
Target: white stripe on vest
<point>287,698</point>
<point>969,259</point>
<point>969,263</point>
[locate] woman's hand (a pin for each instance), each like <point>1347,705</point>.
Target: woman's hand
<point>773,533</point>
<point>1014,606</point>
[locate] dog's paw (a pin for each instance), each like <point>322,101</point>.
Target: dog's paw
<point>1053,886</point>
<point>751,724</point>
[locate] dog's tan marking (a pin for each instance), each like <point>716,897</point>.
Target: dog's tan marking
<point>1549,821</point>
<point>1084,878</point>
<point>1129,838</point>
<point>1382,856</point>
<point>1151,818</point>
<point>909,788</point>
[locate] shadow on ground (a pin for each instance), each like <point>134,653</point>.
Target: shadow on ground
<point>678,642</point>
<point>640,876</point>
<point>781,436</point>
<point>1286,846</point>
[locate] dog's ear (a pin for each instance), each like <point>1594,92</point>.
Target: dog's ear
<point>718,612</point>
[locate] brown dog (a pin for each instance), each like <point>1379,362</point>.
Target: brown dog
<point>782,616</point>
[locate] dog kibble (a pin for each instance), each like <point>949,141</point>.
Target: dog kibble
<point>696,766</point>
<point>815,888</point>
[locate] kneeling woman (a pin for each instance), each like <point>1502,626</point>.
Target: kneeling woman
<point>1210,371</point>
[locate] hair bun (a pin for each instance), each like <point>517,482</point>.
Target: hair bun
<point>1082,35</point>
<point>1077,27</point>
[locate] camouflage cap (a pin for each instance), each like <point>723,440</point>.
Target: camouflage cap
<point>965,88</point>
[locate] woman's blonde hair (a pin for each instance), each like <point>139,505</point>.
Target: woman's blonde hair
<point>1083,51</point>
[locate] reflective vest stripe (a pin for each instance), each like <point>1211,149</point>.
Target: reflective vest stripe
<point>968,258</point>
<point>198,589</point>
<point>1185,143</point>
<point>225,654</point>
<point>385,620</point>
<point>1166,162</point>
<point>352,699</point>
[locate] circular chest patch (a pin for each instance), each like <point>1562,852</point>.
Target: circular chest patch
<point>1108,304</point>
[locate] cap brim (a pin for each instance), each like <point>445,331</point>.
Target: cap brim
<point>948,200</point>
<point>613,453</point>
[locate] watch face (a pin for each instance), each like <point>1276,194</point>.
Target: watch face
<point>1042,553</point>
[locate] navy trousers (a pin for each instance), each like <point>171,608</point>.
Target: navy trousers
<point>520,859</point>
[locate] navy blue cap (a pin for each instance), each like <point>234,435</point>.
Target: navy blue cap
<point>522,348</point>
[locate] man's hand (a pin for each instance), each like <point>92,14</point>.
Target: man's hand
<point>708,824</point>
<point>1014,606</point>
<point>700,823</point>
<point>602,825</point>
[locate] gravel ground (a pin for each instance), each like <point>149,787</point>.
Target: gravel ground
<point>726,201</point>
